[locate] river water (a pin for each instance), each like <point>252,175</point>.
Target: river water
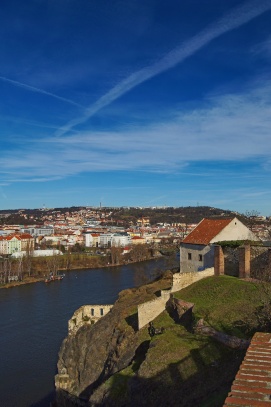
<point>34,322</point>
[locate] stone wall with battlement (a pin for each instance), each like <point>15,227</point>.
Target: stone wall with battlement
<point>87,314</point>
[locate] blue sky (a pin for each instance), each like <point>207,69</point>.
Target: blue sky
<point>129,103</point>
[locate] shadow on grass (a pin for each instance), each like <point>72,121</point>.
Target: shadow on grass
<point>199,379</point>
<point>132,320</point>
<point>208,386</point>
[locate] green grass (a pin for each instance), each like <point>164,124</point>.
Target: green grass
<point>224,302</point>
<point>181,365</point>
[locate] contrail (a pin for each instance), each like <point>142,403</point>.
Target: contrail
<point>44,92</point>
<point>234,19</point>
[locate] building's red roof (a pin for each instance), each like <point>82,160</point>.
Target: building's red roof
<point>252,384</point>
<point>25,236</point>
<point>17,236</point>
<point>10,237</point>
<point>206,230</point>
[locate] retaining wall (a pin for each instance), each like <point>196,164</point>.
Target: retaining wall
<point>182,280</point>
<point>151,309</point>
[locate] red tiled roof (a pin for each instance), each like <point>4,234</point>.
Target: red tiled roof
<point>252,384</point>
<point>206,230</point>
<point>10,237</point>
<point>25,236</point>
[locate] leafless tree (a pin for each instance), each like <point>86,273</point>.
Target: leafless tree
<point>115,254</point>
<point>52,263</point>
<point>28,259</point>
<point>139,252</point>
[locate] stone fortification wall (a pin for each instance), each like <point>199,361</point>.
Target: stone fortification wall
<point>151,309</point>
<point>87,314</point>
<point>231,259</point>
<point>243,262</point>
<point>182,280</point>
<point>260,261</point>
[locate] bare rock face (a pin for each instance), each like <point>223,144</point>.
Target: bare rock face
<point>181,311</point>
<point>88,357</point>
<point>228,340</point>
<point>93,354</point>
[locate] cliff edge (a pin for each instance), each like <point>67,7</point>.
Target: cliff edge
<point>112,363</point>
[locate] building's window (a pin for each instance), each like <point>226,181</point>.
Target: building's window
<point>92,312</point>
<point>200,257</point>
<point>101,311</point>
<point>189,256</point>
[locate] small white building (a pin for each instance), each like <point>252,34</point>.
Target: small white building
<point>106,239</point>
<point>121,239</point>
<point>197,248</point>
<point>91,239</point>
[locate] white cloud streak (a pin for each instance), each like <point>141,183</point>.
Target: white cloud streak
<point>230,128</point>
<point>234,19</point>
<point>41,91</point>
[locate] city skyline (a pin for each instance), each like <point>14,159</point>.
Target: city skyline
<point>134,104</point>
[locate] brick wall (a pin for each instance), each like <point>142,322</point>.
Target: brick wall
<point>243,262</point>
<point>252,384</point>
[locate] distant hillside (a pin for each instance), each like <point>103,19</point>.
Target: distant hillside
<point>124,216</point>
<point>189,214</point>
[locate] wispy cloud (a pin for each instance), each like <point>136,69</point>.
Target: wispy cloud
<point>234,19</point>
<point>230,128</point>
<point>37,90</point>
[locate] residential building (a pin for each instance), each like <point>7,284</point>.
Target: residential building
<point>121,239</point>
<point>138,240</point>
<point>197,248</point>
<point>15,243</point>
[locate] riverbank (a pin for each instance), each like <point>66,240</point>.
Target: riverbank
<point>27,280</point>
<point>36,279</point>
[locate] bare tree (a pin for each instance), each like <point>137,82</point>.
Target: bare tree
<point>139,252</point>
<point>52,263</point>
<point>115,254</point>
<point>251,216</point>
<point>28,258</point>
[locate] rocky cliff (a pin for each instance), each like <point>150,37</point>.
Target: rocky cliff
<point>91,355</point>
<point>112,363</point>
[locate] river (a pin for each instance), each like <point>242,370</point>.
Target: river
<point>35,322</point>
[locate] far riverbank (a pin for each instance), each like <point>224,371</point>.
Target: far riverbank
<point>75,267</point>
<point>30,269</point>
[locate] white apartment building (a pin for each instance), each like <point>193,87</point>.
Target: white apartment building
<point>106,239</point>
<point>121,239</point>
<point>39,231</point>
<point>92,239</point>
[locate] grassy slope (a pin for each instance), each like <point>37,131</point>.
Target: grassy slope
<point>184,369</point>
